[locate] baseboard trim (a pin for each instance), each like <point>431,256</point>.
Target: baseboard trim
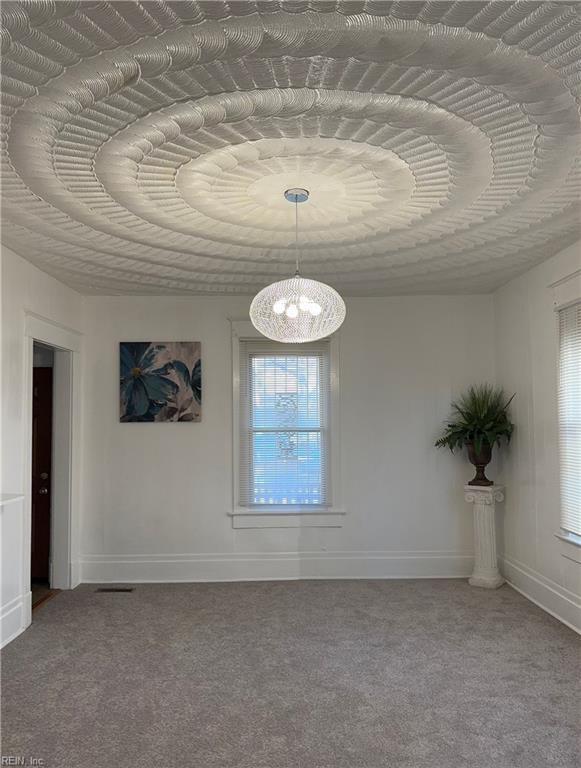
<point>75,574</point>
<point>547,594</point>
<point>274,566</point>
<point>15,617</point>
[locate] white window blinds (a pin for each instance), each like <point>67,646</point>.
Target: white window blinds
<point>284,427</point>
<point>570,416</point>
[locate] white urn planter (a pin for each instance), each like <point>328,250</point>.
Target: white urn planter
<point>484,498</point>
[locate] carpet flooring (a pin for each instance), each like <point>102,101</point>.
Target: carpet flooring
<point>308,674</point>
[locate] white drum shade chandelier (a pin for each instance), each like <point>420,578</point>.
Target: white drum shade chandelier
<point>297,310</point>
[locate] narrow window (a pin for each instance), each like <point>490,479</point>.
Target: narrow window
<point>570,417</point>
<point>284,429</point>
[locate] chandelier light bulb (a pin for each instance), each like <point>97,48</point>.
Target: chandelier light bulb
<point>279,307</point>
<point>315,309</point>
<point>297,310</point>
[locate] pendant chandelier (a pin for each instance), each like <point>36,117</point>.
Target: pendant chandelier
<point>297,310</point>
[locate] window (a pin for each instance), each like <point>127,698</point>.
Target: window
<point>284,429</point>
<point>570,416</point>
<point>286,440</point>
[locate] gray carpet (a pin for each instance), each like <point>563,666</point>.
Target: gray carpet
<point>311,674</point>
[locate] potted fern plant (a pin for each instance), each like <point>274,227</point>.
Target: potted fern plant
<point>479,420</point>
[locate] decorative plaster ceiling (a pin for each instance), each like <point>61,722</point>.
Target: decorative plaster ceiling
<point>146,145</point>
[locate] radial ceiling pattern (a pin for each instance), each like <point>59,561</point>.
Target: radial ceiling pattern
<point>146,145</point>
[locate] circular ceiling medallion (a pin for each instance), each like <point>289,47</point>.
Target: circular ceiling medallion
<point>145,145</point>
<point>234,187</point>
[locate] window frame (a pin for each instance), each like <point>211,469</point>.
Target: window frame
<point>281,516</point>
<point>566,292</point>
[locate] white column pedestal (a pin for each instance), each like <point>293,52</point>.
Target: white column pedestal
<point>484,498</point>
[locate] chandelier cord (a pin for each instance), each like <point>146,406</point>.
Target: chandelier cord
<point>296,235</point>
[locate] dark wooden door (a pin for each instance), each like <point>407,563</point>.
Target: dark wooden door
<point>41,472</point>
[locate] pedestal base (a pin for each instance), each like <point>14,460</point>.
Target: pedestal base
<point>494,582</point>
<point>484,498</point>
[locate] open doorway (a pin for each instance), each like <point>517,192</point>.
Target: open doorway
<point>61,486</point>
<point>42,473</point>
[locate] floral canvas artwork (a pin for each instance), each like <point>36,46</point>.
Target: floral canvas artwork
<point>160,381</point>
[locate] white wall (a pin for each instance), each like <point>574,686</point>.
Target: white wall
<point>24,289</point>
<point>526,363</point>
<point>157,496</point>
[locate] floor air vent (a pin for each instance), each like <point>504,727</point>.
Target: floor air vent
<point>115,589</point>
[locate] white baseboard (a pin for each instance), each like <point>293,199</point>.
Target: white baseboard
<point>547,594</point>
<point>275,566</point>
<point>75,574</point>
<point>564,605</point>
<point>15,617</point>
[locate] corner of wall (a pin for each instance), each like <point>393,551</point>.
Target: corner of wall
<point>526,363</point>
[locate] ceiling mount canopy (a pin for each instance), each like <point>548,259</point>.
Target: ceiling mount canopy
<point>296,195</point>
<point>297,310</point>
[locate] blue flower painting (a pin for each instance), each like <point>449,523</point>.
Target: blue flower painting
<point>160,381</point>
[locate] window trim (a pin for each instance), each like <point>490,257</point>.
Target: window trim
<point>282,516</point>
<point>566,292</point>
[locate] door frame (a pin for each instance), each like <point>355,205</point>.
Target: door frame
<point>65,496</point>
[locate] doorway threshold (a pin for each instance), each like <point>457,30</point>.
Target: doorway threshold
<point>42,593</point>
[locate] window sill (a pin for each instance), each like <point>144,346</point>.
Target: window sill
<point>570,545</point>
<point>244,517</point>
